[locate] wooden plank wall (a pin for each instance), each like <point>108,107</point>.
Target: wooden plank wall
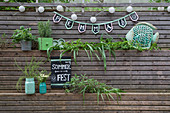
<point>133,71</point>
<point>73,103</point>
<point>11,20</point>
<point>144,75</point>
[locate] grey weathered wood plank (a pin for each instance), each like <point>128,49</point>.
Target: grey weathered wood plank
<point>109,82</point>
<point>88,4</point>
<point>109,68</point>
<point>110,111</point>
<point>82,108</point>
<point>85,59</point>
<point>120,86</point>
<point>80,103</point>
<point>80,18</point>
<point>61,27</point>
<point>99,76</point>
<point>162,23</point>
<point>62,91</point>
<point>87,13</point>
<point>75,31</point>
<point>118,63</point>
<point>88,97</point>
<point>121,53</point>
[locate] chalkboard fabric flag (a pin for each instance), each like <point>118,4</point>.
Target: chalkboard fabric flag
<point>108,27</point>
<point>134,17</point>
<point>95,29</point>
<point>56,18</point>
<point>122,22</point>
<point>69,24</point>
<point>95,26</point>
<point>82,28</point>
<point>60,71</point>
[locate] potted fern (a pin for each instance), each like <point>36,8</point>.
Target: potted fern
<point>23,36</point>
<point>44,30</point>
<point>30,71</point>
<point>42,81</point>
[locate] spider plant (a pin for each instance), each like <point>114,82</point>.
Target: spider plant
<point>92,48</point>
<point>74,47</point>
<point>30,70</point>
<point>82,84</point>
<point>89,48</point>
<point>3,41</point>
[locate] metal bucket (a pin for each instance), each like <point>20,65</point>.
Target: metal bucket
<point>26,45</point>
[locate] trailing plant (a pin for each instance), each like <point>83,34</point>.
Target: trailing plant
<point>155,46</point>
<point>44,29</point>
<point>30,70</point>
<point>22,34</point>
<point>92,48</point>
<point>159,1</point>
<point>82,84</point>
<point>3,41</point>
<point>74,47</point>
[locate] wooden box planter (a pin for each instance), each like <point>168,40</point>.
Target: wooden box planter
<point>45,43</point>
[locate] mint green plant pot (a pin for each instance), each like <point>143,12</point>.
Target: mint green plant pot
<point>42,88</point>
<point>29,86</point>
<point>45,43</point>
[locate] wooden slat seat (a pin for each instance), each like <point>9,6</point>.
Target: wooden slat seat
<point>70,103</point>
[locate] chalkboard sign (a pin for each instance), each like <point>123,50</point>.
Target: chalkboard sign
<point>60,71</point>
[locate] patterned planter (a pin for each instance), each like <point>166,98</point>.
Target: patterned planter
<point>29,86</point>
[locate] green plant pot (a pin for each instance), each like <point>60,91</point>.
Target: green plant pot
<point>26,45</point>
<point>45,43</point>
<point>29,86</point>
<point>42,88</point>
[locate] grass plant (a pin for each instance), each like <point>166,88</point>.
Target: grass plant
<point>82,84</point>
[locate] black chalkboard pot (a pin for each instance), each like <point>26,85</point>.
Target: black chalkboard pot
<point>26,45</point>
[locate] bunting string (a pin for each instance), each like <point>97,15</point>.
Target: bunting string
<point>95,26</point>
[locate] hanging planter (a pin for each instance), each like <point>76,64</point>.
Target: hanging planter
<point>44,29</point>
<point>24,37</point>
<point>26,45</point>
<point>44,43</point>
